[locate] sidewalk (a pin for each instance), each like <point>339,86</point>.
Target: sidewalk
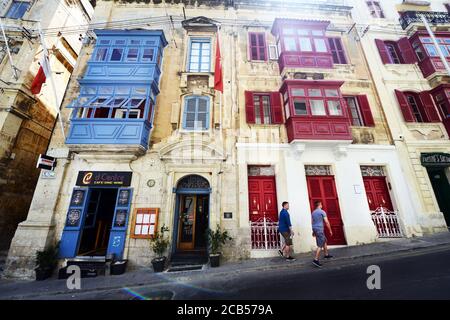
<point>10,289</point>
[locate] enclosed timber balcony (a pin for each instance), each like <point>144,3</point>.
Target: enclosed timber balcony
<point>117,97</point>
<point>315,110</point>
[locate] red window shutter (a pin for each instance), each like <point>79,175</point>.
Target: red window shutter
<point>384,54</point>
<point>406,50</point>
<point>404,106</point>
<point>365,111</point>
<point>428,106</point>
<point>257,46</point>
<point>337,50</point>
<point>276,108</point>
<point>249,107</point>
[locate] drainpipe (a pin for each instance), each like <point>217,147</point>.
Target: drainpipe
<point>436,44</point>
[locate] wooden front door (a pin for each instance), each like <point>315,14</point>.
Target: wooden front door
<point>262,198</point>
<point>323,188</point>
<point>377,193</point>
<point>193,221</point>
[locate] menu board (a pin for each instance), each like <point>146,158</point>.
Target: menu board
<point>145,223</point>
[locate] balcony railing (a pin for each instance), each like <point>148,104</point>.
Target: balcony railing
<point>434,18</point>
<point>265,234</point>
<point>387,223</point>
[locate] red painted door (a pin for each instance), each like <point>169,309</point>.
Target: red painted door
<point>323,188</point>
<point>262,198</point>
<point>377,193</point>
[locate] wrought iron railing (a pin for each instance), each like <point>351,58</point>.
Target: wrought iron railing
<point>387,223</point>
<point>434,18</point>
<point>265,234</point>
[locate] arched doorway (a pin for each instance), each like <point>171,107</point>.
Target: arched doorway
<point>191,214</point>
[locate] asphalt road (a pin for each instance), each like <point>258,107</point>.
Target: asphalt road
<point>418,275</point>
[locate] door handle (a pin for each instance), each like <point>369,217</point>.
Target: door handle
<point>257,206</point>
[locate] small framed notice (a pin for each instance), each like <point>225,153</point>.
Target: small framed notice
<point>144,223</point>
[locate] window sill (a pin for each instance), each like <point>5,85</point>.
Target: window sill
<point>265,125</point>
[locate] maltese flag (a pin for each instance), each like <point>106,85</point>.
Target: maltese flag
<point>42,75</point>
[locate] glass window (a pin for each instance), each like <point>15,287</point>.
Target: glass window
<point>334,108</point>
<point>300,108</point>
<point>426,40</point>
<point>257,46</point>
<point>302,32</point>
<point>375,9</point>
<point>122,90</point>
<point>116,54</point>
<point>287,111</point>
<point>418,50</point>
<point>317,108</point>
<point>135,42</point>
<point>196,113</point>
<point>444,50</point>
<point>392,51</point>
<point>147,55</point>
<point>262,109</point>
<point>105,90</point>
<point>305,44</point>
<point>317,33</point>
<point>17,9</point>
<point>431,49</point>
<point>298,92</point>
<point>331,93</point>
<point>290,44</point>
<point>120,42</point>
<point>101,54</point>
<point>355,111</point>
<point>320,45</point>
<point>314,92</point>
<point>337,50</point>
<point>414,107</point>
<point>288,31</point>
<point>132,54</point>
<point>200,56</point>
<point>88,90</point>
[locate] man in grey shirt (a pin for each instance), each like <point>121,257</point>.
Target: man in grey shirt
<point>318,218</point>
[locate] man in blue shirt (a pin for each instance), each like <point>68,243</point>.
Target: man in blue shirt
<point>318,218</point>
<point>285,228</point>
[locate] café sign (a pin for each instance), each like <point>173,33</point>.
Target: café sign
<point>435,159</point>
<point>104,178</point>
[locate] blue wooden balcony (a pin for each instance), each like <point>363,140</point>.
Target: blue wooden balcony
<point>109,131</point>
<point>118,91</point>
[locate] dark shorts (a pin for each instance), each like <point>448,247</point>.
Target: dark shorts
<point>287,238</point>
<point>321,239</point>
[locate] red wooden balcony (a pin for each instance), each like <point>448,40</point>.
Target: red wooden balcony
<point>315,110</point>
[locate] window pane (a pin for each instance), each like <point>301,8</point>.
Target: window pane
<point>288,31</point>
<point>317,33</point>
<point>320,45</point>
<point>266,109</point>
<point>105,90</point>
<point>148,54</point>
<point>257,106</point>
<point>300,107</point>
<point>318,108</point>
<point>314,92</point>
<point>298,92</point>
<point>122,90</point>
<point>331,93</point>
<point>116,54</point>
<point>431,50</point>
<point>101,54</point>
<point>305,44</point>
<point>354,110</point>
<point>289,44</point>
<point>286,110</point>
<point>202,105</point>
<point>302,32</point>
<point>191,103</point>
<point>132,54</point>
<point>334,108</point>
<point>17,9</point>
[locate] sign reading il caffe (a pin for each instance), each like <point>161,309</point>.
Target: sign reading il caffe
<point>435,159</point>
<point>104,178</point>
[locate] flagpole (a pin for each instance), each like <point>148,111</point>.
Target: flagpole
<point>52,82</point>
<point>8,50</point>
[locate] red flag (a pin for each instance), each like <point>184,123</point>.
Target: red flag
<point>218,80</point>
<point>38,81</point>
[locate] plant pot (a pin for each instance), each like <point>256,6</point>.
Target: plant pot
<point>214,260</point>
<point>118,267</point>
<point>159,264</point>
<point>43,273</point>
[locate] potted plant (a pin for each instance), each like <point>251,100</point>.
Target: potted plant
<point>159,246</point>
<point>217,238</point>
<point>46,261</point>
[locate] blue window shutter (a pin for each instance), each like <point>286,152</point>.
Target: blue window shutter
<point>196,113</point>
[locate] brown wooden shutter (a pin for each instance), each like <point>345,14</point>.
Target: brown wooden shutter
<point>407,51</point>
<point>249,107</point>
<point>428,106</point>
<point>276,108</point>
<point>404,106</point>
<point>365,111</point>
<point>384,54</point>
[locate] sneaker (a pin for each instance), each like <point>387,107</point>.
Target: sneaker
<point>317,263</point>
<point>281,253</point>
<point>290,259</point>
<point>328,256</point>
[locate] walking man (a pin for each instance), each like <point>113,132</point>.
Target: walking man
<point>285,229</point>
<point>319,217</point>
